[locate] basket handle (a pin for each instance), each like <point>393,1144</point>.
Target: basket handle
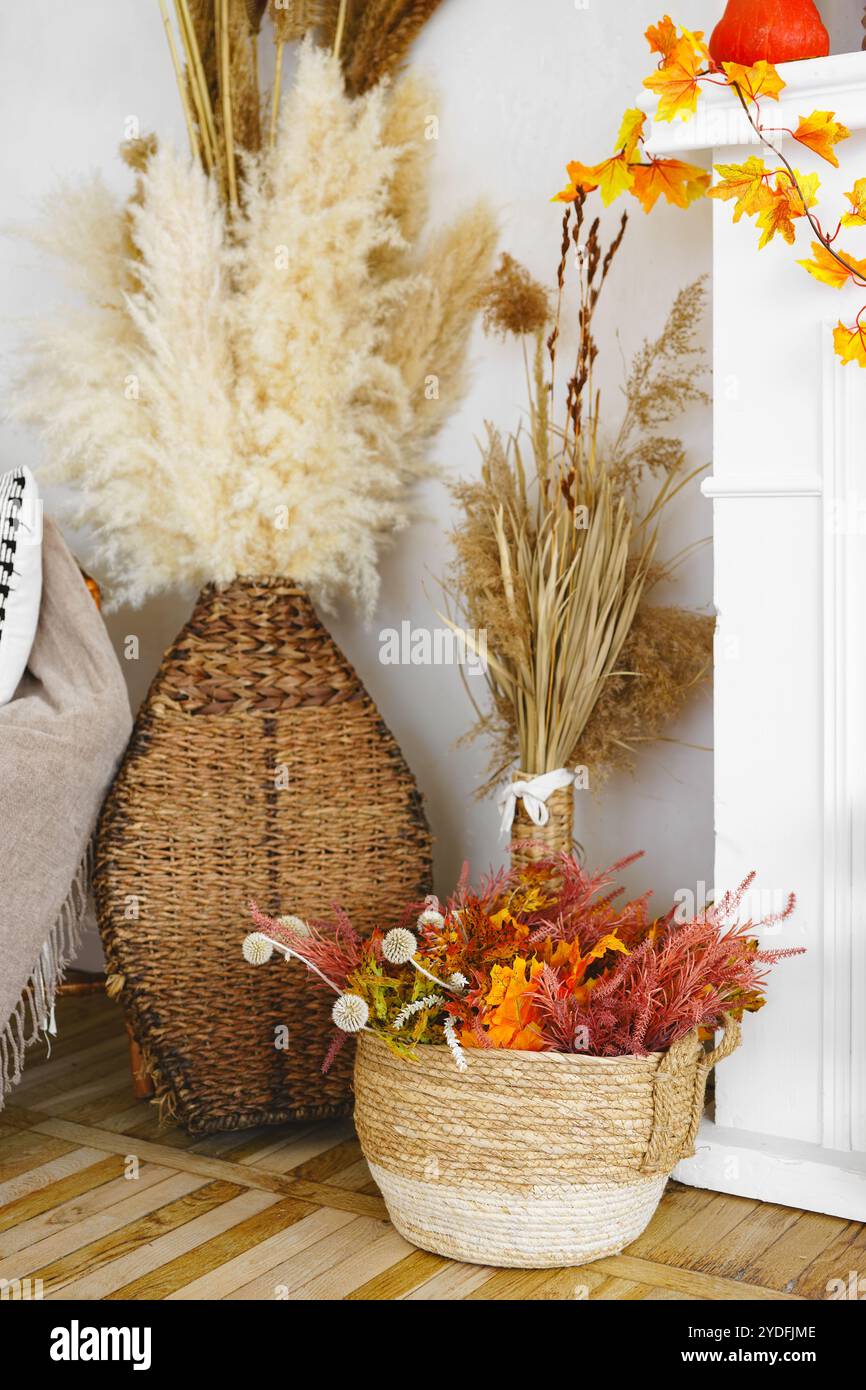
<point>667,1144</point>
<point>730,1041</point>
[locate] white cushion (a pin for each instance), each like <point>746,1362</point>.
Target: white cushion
<point>20,574</point>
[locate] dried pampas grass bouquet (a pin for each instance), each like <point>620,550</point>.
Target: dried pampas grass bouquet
<point>243,391</point>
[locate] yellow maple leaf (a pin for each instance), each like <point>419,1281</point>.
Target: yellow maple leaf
<point>857,198</point>
<point>679,183</point>
<point>820,132</point>
<point>755,82</point>
<point>782,204</point>
<point>662,37</point>
<point>612,177</point>
<point>696,38</point>
<point>850,343</point>
<point>676,82</point>
<point>825,267</point>
<point>510,1019</point>
<point>630,131</point>
<point>611,942</point>
<point>745,182</point>
<point>565,957</point>
<point>808,185</point>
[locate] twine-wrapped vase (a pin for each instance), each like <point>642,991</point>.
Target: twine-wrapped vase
<point>259,767</point>
<point>528,1159</point>
<point>531,842</point>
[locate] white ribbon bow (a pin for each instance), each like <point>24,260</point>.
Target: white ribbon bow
<point>534,794</point>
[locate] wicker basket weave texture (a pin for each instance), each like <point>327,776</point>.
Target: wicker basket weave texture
<point>258,767</point>
<point>531,842</point>
<point>527,1159</point>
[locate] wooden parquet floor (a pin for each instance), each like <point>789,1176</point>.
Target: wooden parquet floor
<point>98,1201</point>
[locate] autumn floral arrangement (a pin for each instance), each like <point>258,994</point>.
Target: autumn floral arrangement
<point>776,193</point>
<point>547,958</point>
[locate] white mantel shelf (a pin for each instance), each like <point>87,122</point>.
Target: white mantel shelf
<point>835,84</point>
<point>788,492</point>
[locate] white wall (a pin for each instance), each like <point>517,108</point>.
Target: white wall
<point>843,20</point>
<point>524,87</point>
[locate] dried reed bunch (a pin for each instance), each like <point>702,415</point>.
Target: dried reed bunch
<point>214,50</point>
<point>555,553</point>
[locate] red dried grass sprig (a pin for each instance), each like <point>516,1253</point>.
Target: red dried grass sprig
<point>583,911</point>
<point>334,948</point>
<point>687,977</point>
<point>335,1046</point>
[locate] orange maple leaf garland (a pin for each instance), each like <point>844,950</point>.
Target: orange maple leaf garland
<point>627,171</point>
<point>776,195</point>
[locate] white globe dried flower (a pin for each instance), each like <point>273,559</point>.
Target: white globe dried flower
<point>457,981</point>
<point>295,924</point>
<point>399,946</point>
<point>350,1013</point>
<point>431,918</point>
<point>257,948</point>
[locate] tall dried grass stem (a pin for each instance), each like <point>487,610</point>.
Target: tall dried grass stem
<point>182,85</point>
<point>226,97</point>
<point>275,97</point>
<point>198,85</point>
<point>341,26</point>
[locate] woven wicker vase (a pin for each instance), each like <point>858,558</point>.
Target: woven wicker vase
<point>531,842</point>
<point>528,1159</point>
<point>259,768</point>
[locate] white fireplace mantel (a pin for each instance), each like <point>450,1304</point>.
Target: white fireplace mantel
<point>789,501</point>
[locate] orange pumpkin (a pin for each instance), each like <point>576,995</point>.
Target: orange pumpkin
<point>779,31</point>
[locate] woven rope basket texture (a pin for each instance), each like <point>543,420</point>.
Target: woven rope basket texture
<point>531,842</point>
<point>258,767</point>
<point>528,1159</point>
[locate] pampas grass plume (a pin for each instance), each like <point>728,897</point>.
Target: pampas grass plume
<point>251,400</point>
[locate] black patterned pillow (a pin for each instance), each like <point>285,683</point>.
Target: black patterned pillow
<point>20,574</point>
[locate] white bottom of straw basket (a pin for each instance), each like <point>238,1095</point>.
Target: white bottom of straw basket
<point>561,1225</point>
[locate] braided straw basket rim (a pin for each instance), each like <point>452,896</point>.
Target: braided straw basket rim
<point>525,1054</point>
<point>520,1055</point>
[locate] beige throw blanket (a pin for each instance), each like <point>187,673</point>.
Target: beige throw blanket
<point>60,741</point>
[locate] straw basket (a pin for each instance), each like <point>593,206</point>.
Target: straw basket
<point>528,1159</point>
<point>258,767</point>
